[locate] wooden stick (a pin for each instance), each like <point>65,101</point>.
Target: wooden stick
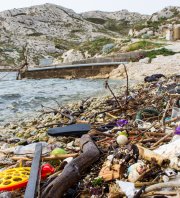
<point>164,115</point>
<point>73,171</point>
<point>172,120</point>
<point>127,83</point>
<point>162,140</point>
<point>103,140</point>
<point>174,95</point>
<point>112,116</point>
<point>96,132</point>
<point>140,184</point>
<point>172,184</point>
<point>108,87</point>
<point>159,193</point>
<point>58,157</point>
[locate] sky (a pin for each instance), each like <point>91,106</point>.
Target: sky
<point>141,6</point>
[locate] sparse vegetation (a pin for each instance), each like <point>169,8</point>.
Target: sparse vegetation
<point>163,51</point>
<point>36,34</point>
<point>63,44</point>
<point>77,30</point>
<point>96,20</point>
<point>121,27</point>
<point>144,45</point>
<point>95,46</point>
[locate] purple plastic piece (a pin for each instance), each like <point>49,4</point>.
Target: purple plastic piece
<point>121,123</point>
<point>177,131</point>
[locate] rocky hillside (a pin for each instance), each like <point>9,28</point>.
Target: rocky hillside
<point>167,16</point>
<point>45,30</point>
<point>119,21</point>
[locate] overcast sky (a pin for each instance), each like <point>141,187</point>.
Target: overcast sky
<point>142,6</point>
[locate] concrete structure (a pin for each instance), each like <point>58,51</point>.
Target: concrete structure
<point>71,71</point>
<point>171,32</point>
<point>177,33</point>
<point>169,35</point>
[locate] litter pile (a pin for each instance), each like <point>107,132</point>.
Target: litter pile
<point>120,146</point>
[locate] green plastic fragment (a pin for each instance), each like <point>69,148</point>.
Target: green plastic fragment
<point>58,151</point>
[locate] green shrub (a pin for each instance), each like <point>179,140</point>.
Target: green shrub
<point>94,47</point>
<point>163,51</point>
<point>35,34</point>
<point>145,45</point>
<point>63,44</point>
<point>121,27</point>
<point>96,20</point>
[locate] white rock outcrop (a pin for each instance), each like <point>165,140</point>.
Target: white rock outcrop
<point>122,15</point>
<point>72,55</point>
<point>167,65</point>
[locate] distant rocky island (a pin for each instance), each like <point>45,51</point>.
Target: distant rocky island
<point>52,34</point>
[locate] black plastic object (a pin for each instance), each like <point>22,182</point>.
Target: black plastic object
<point>106,127</point>
<point>33,182</point>
<point>154,77</point>
<point>71,130</point>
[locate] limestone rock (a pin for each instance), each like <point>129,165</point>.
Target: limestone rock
<point>145,60</point>
<point>72,55</point>
<point>165,13</point>
<point>42,30</point>
<point>122,15</point>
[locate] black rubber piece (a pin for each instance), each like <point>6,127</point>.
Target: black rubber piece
<point>71,130</point>
<point>33,182</point>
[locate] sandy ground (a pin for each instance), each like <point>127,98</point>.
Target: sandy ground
<point>167,65</point>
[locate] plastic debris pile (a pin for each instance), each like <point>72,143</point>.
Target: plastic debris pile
<point>134,139</point>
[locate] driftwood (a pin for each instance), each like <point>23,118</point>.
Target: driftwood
<point>161,140</point>
<point>172,184</point>
<point>165,193</point>
<point>108,87</point>
<point>48,158</point>
<point>72,172</point>
<point>149,155</point>
<point>127,83</point>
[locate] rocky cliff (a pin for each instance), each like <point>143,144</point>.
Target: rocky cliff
<point>120,21</point>
<point>46,31</point>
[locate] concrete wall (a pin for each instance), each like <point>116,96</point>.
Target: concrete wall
<point>87,71</point>
<point>78,72</point>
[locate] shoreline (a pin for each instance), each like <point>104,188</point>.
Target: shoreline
<point>99,113</point>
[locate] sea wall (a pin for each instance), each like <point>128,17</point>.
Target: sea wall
<point>69,72</point>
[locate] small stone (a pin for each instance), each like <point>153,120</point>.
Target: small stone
<point>145,60</point>
<point>6,195</point>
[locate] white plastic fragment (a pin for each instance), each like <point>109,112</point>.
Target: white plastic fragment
<point>30,149</point>
<point>127,187</point>
<point>172,152</point>
<point>110,157</point>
